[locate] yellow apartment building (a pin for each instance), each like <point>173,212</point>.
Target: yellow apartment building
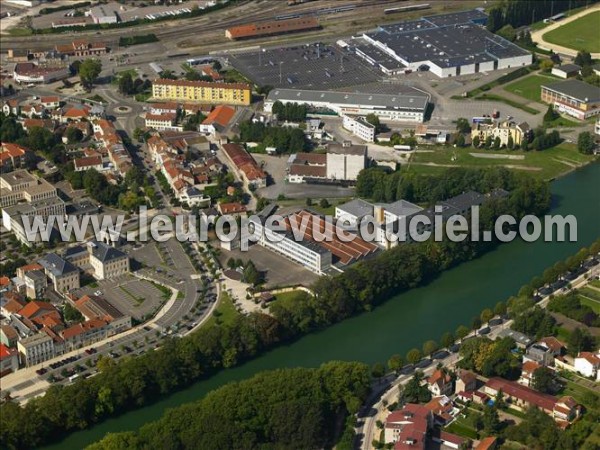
<point>202,91</point>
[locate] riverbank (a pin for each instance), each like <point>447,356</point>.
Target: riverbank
<point>408,319</point>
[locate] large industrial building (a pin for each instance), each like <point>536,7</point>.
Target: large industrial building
<point>202,91</point>
<point>573,97</point>
<point>317,254</point>
<point>260,29</point>
<point>448,45</point>
<point>408,105</point>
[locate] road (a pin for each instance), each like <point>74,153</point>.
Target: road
<point>538,35</point>
<point>386,392</point>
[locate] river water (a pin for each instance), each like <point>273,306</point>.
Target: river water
<point>408,319</point>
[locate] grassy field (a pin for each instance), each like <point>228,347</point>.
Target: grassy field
<point>581,34</point>
<point>591,303</point>
<point>290,296</point>
<point>547,164</point>
<point>530,87</point>
<point>224,313</point>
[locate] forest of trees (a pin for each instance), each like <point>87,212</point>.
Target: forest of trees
<point>525,12</point>
<point>284,139</point>
<point>134,382</point>
<point>285,408</point>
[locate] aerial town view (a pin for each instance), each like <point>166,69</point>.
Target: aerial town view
<point>300,224</point>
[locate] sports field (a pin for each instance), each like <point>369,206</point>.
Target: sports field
<point>581,34</point>
<point>530,87</point>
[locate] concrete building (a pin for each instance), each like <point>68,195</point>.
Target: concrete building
<point>103,14</point>
<point>20,185</point>
<point>162,122</point>
<point>540,354</point>
<point>359,127</point>
<point>566,71</point>
<point>573,97</point>
<point>447,45</point>
<point>36,349</point>
<point>35,284</point>
<point>14,217</point>
<point>346,160</point>
<point>408,105</point>
<point>202,91</point>
<point>63,275</point>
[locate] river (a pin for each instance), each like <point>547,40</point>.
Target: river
<point>408,319</point>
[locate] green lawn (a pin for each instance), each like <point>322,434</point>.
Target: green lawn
<point>595,283</point>
<point>224,313</point>
<point>290,296</point>
<point>595,305</point>
<point>581,34</point>
<point>530,86</point>
<point>594,294</point>
<point>582,394</point>
<point>546,164</point>
<point>562,334</point>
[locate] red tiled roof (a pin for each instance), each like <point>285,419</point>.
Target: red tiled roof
<point>552,343</point>
<point>590,357</point>
<point>5,352</point>
<point>50,99</point>
<point>231,208</point>
<point>32,309</point>
<point>11,150</point>
<point>308,171</point>
<point>4,281</point>
<point>486,443</point>
<point>530,367</point>
<point>221,115</point>
<point>512,389</point>
<point>87,161</point>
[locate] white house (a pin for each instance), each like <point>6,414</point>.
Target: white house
<point>588,364</point>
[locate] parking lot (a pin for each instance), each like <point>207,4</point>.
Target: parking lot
<point>130,295</point>
<point>310,66</point>
<point>279,270</point>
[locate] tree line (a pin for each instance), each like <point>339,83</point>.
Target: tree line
<point>178,363</point>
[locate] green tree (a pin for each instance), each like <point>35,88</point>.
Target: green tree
<point>377,371</point>
<point>486,315</point>
<point>395,363</point>
<point>126,86</point>
<point>413,356</point>
<point>463,125</point>
<point>414,391</point>
<point>579,340</point>
<point>462,332</point>
<point>447,339</point>
<point>584,58</point>
<point>374,120</point>
<point>543,380</point>
<point>89,71</point>
<point>73,135</point>
<point>324,203</point>
<point>429,347</point>
<point>476,142</point>
<point>491,421</point>
<point>551,114</point>
<point>497,143</point>
<point>585,143</point>
<point>511,143</point>
<point>500,309</point>
<point>460,140</point>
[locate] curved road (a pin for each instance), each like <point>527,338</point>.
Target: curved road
<point>538,36</point>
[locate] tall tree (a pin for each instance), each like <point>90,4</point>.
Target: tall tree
<point>89,71</point>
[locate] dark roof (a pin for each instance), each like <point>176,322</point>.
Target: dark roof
<point>72,251</point>
<point>105,253</point>
<point>464,200</point>
<point>57,265</point>
<point>576,89</point>
<point>569,68</point>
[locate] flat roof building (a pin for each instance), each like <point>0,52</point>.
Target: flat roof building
<point>408,105</point>
<point>573,97</point>
<point>447,45</point>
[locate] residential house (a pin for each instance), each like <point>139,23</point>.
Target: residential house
<point>11,107</point>
<point>521,340</point>
<point>527,370</point>
<point>488,443</point>
<point>465,381</point>
<point>588,364</point>
<point>440,383</point>
<point>540,354</point>
<point>35,283</point>
<point>9,360</point>
<point>232,209</point>
<point>245,165</point>
<point>218,120</point>
<point>50,101</point>
<point>85,333</point>
<point>88,162</point>
<point>12,156</point>
<point>162,122</point>
<point>407,427</point>
<point>95,307</point>
<point>442,409</point>
<point>8,335</point>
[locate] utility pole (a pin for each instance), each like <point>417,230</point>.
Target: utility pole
<point>280,63</point>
